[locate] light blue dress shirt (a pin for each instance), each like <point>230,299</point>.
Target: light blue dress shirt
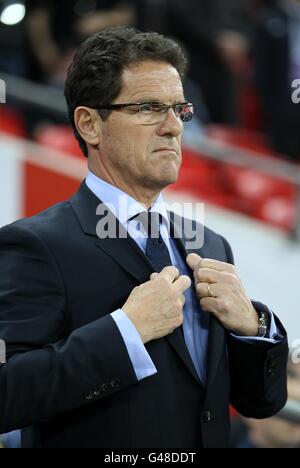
<point>196,322</point>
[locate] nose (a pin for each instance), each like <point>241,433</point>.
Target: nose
<point>171,125</point>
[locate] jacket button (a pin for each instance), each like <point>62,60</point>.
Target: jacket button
<point>271,365</point>
<point>88,396</point>
<point>207,416</point>
<point>97,391</point>
<point>115,383</point>
<point>105,388</point>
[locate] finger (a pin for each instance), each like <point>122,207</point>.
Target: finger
<point>194,261</point>
<point>183,300</point>
<point>182,284</point>
<point>207,290</point>
<point>218,266</point>
<point>170,273</point>
<point>207,275</point>
<point>153,276</point>
<point>211,304</point>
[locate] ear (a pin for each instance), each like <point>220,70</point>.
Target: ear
<point>88,124</point>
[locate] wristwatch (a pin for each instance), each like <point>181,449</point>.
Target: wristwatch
<point>263,324</point>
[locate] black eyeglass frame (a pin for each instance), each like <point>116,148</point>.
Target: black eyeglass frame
<point>164,107</point>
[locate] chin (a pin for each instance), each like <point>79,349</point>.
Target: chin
<point>167,175</point>
<point>167,179</point>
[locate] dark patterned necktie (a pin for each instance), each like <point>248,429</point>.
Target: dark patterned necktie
<point>156,249</point>
<point>159,256</point>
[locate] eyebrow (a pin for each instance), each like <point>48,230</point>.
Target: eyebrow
<point>143,100</point>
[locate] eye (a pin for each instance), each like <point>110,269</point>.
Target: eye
<point>146,108</point>
<point>180,108</point>
<point>149,107</point>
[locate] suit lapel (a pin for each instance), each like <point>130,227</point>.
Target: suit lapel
<point>122,248</point>
<point>129,257</point>
<point>215,349</point>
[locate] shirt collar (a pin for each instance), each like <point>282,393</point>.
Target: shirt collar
<point>123,206</point>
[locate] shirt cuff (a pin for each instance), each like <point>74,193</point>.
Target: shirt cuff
<point>141,361</point>
<point>273,336</point>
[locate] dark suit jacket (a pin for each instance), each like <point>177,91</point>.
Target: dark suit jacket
<point>69,380</point>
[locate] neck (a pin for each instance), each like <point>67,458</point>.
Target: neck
<point>141,195</point>
<point>144,196</point>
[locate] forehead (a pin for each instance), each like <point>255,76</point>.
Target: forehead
<point>152,80</point>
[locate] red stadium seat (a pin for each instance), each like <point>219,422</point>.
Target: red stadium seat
<point>241,138</point>
<point>256,186</point>
<point>11,121</point>
<point>278,211</point>
<point>257,194</point>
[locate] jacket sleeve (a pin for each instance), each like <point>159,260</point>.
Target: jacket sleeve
<point>258,371</point>
<point>47,372</point>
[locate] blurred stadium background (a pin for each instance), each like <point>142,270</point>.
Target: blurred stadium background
<point>241,154</point>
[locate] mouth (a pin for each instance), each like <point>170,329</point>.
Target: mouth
<point>166,150</point>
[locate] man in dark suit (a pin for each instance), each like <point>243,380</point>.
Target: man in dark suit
<point>115,336</point>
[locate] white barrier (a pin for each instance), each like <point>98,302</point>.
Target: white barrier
<point>2,352</point>
<point>2,92</point>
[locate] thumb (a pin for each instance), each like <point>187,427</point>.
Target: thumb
<point>193,260</point>
<point>153,276</point>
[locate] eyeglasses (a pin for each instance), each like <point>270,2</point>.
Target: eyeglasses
<point>149,113</point>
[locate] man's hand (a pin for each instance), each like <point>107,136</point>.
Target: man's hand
<point>221,292</point>
<point>156,307</point>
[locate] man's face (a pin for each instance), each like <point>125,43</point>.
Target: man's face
<point>143,156</point>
